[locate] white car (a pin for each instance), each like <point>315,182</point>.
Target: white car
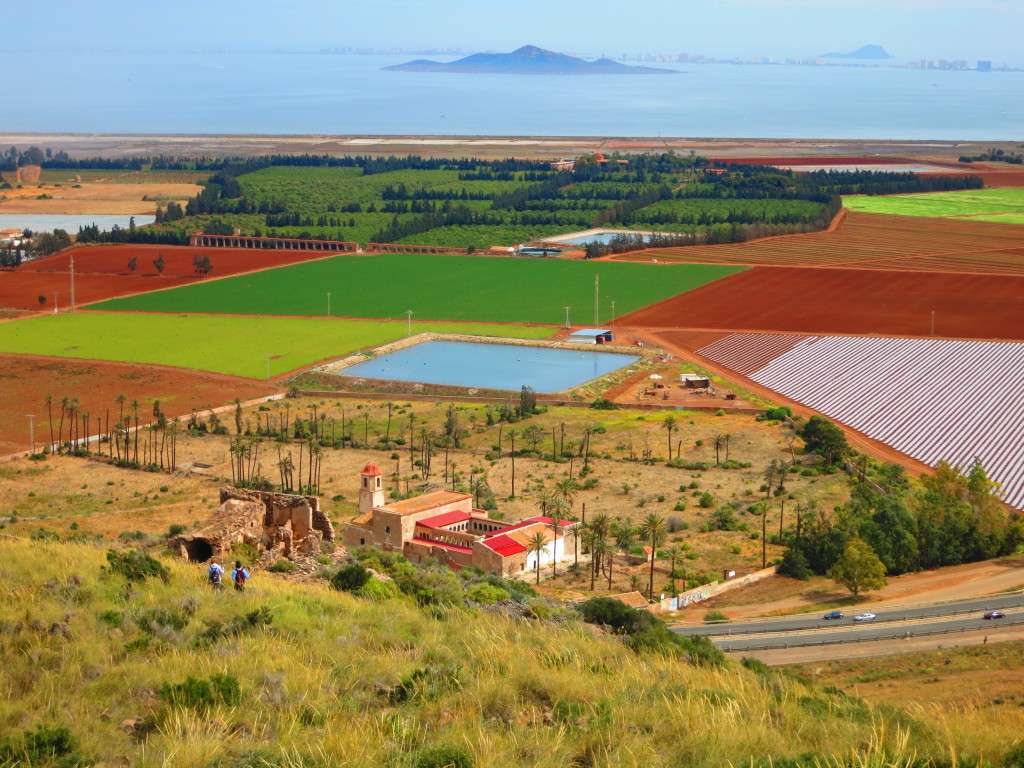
<point>864,617</point>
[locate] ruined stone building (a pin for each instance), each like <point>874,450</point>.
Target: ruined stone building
<point>444,525</point>
<point>286,523</point>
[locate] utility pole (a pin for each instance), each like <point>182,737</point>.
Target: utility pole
<point>328,303</point>
<point>408,322</point>
<point>613,312</point>
<point>72,284</point>
<point>55,302</point>
<point>32,430</point>
<point>933,322</point>
<point>567,318</point>
<point>597,279</point>
<point>268,368</point>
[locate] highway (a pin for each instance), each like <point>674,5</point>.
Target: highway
<point>798,631</point>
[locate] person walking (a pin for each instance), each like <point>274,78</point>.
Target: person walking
<point>215,574</point>
<point>239,576</point>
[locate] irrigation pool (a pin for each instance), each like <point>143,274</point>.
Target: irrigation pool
<point>491,366</point>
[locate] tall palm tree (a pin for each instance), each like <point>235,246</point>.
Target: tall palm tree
<point>567,489</point>
<point>653,529</point>
<point>761,509</point>
<point>609,555</point>
<point>575,532</point>
<point>545,498</point>
<point>535,544</point>
<point>719,441</point>
<point>674,553</point>
<point>669,425</point>
<point>49,417</point>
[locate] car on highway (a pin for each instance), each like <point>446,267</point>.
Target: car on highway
<point>833,615</point>
<point>994,615</point>
<point>864,617</point>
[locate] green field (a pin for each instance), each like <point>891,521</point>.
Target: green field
<point>234,345</point>
<point>435,288</point>
<point>1000,205</point>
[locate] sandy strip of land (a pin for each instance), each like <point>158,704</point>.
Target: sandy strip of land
<point>113,145</point>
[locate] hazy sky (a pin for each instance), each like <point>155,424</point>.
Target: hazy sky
<point>908,29</point>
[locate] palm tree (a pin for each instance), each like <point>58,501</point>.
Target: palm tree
<point>544,500</point>
<point>49,412</point>
<point>653,529</point>
<point>719,441</point>
<point>674,553</point>
<point>535,544</point>
<point>567,490</point>
<point>575,532</point>
<point>635,582</point>
<point>512,433</point>
<point>669,425</point>
<point>728,438</point>
<point>608,554</point>
<point>761,508</point>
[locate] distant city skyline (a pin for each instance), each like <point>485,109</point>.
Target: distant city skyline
<point>969,30</point>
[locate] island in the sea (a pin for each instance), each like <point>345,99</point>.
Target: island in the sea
<point>864,52</point>
<point>529,60</point>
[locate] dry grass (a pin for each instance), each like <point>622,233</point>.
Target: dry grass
<point>315,684</point>
<point>95,198</point>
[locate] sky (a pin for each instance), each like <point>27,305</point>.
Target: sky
<point>908,29</point>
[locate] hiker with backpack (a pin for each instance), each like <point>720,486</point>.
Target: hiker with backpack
<point>214,574</point>
<point>239,576</point>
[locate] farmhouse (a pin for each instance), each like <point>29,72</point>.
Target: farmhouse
<point>444,525</point>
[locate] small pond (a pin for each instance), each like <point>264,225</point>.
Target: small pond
<point>491,366</point>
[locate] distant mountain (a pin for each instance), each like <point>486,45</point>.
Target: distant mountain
<point>864,52</point>
<point>529,60</point>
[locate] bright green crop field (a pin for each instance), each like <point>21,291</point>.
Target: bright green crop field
<point>234,345</point>
<point>1000,205</point>
<point>481,289</point>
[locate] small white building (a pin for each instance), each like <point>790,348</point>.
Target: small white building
<point>591,336</point>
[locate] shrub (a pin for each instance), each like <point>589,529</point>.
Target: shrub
<point>676,524</point>
<point>136,565</point>
<point>567,712</point>
<point>376,589</point>
<point>56,747</point>
<point>196,693</point>
<point>245,552</point>
<point>487,594</point>
<point>707,500</point>
<point>715,616</point>
<point>794,563</point>
<point>176,530</point>
<point>776,414</point>
<point>349,578</point>
<point>444,756</point>
<point>601,404</point>
<point>283,566</point>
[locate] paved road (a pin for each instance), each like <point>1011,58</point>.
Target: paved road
<point>891,626</point>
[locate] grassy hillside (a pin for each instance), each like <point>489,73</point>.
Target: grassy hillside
<point>235,345</point>
<point>434,287</point>
<point>154,673</point>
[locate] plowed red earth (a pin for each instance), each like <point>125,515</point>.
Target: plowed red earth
<point>101,272</point>
<point>847,301</point>
<point>873,241</point>
<point>27,380</point>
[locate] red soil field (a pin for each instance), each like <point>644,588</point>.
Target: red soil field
<point>872,241</point>
<point>113,260</point>
<point>101,271</point>
<point>846,301</point>
<point>27,380</point>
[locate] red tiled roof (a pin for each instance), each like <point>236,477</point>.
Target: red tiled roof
<point>443,545</point>
<point>547,521</point>
<point>504,545</point>
<point>448,518</point>
<point>371,469</point>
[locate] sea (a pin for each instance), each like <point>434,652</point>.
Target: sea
<point>313,93</point>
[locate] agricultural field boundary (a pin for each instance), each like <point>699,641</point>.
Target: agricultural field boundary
<point>879,387</point>
<point>466,288</point>
<point>870,241</point>
<point>233,345</point>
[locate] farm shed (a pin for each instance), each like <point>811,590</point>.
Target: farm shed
<point>591,336</point>
<point>694,380</point>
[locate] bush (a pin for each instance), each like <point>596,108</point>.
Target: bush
<point>136,565</point>
<point>56,747</point>
<point>375,589</point>
<point>776,414</point>
<point>196,693</point>
<point>283,566</point>
<point>444,756</point>
<point>176,530</point>
<point>707,500</point>
<point>676,524</point>
<point>487,594</point>
<point>349,578</point>
<point>795,564</point>
<point>715,616</point>
<point>601,404</point>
